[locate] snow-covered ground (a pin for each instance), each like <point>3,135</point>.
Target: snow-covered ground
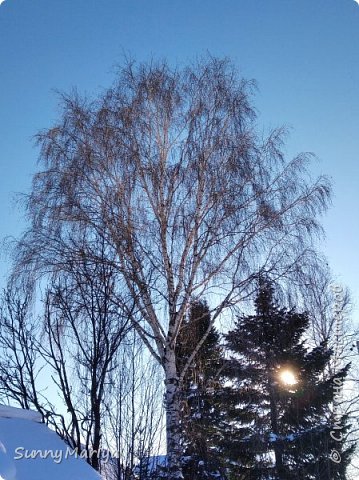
<point>23,436</point>
<point>12,412</point>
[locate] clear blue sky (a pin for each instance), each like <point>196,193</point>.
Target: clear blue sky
<point>304,55</point>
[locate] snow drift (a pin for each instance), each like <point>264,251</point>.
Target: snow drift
<point>31,451</point>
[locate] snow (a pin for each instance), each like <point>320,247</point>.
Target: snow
<point>12,412</point>
<point>273,437</point>
<point>31,451</point>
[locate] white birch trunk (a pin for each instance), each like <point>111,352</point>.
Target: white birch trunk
<point>173,431</point>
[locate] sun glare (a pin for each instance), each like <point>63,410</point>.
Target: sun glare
<point>287,377</point>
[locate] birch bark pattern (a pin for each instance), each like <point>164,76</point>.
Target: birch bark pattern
<point>173,429</point>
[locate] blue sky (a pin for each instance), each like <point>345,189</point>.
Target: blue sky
<point>304,55</point>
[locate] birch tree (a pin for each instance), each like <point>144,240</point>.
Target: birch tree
<point>170,170</point>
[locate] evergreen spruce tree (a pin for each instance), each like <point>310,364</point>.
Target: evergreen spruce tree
<point>199,393</point>
<point>279,408</point>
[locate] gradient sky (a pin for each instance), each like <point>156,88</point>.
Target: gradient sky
<point>304,55</point>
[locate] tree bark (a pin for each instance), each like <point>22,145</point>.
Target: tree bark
<point>173,432</point>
